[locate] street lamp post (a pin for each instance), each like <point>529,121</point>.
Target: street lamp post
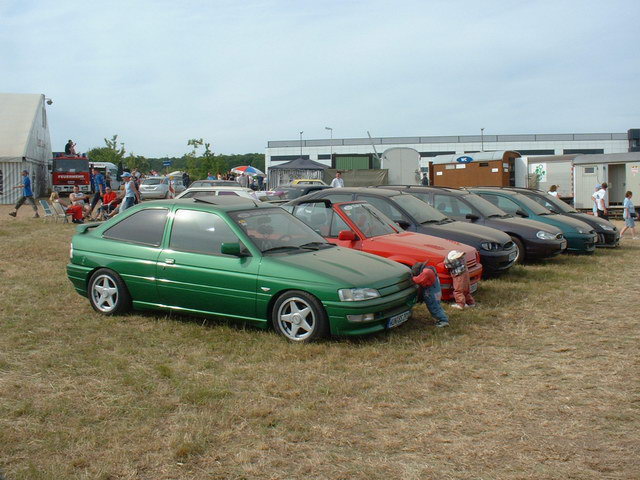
<point>301,144</point>
<point>482,139</point>
<point>331,142</point>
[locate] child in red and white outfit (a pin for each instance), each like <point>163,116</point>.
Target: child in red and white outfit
<point>457,267</point>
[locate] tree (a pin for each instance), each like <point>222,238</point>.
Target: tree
<point>111,153</point>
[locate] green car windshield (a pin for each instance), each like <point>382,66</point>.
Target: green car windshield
<point>371,222</point>
<point>535,207</point>
<point>274,230</point>
<point>552,203</point>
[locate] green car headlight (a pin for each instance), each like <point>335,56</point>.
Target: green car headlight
<point>542,235</point>
<point>357,294</point>
<point>608,228</point>
<point>581,230</point>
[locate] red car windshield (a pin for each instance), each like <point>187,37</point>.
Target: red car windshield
<point>370,221</point>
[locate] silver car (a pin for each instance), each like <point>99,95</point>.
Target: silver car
<point>158,187</point>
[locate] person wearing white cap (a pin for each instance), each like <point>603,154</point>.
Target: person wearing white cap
<point>130,192</point>
<point>457,266</point>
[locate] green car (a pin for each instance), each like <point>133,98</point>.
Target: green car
<point>581,237</point>
<point>239,259</point>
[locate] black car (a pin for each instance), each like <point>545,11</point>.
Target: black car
<point>497,251</point>
<point>534,240</point>
<point>608,234</point>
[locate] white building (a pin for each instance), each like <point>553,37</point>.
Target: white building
<point>24,144</point>
<point>279,151</point>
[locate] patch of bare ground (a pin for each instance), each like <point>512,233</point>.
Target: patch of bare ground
<point>539,382</point>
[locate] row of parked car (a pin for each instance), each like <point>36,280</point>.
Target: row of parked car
<point>334,261</point>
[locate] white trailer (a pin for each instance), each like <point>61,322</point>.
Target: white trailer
<point>403,165</point>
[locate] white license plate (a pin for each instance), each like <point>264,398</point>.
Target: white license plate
<point>398,319</point>
<point>473,287</point>
<point>512,256</point>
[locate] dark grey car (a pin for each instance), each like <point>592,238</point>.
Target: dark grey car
<point>497,251</point>
<point>535,240</point>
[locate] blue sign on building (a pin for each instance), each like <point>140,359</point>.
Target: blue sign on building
<point>464,159</point>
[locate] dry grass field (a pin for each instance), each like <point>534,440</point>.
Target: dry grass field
<point>540,382</point>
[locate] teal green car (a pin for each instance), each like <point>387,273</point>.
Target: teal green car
<point>235,258</point>
<point>581,237</point>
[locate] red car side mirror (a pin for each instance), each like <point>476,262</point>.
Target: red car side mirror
<point>347,236</point>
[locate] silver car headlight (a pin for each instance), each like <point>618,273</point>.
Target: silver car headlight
<point>357,294</point>
<point>608,228</point>
<point>542,235</point>
<point>581,230</point>
<point>491,246</point>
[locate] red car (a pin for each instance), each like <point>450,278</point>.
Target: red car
<point>361,226</point>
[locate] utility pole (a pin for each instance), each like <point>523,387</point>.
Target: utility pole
<point>331,142</point>
<point>482,139</point>
<point>301,144</point>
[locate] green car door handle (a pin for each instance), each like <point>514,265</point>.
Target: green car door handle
<point>169,261</point>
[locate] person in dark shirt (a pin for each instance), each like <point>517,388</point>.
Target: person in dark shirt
<point>425,180</point>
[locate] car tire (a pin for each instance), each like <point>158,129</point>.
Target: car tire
<point>300,317</point>
<point>107,293</point>
<point>521,251</point>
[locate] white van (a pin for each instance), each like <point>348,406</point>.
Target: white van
<point>105,167</point>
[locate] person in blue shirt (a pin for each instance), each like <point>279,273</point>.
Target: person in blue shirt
<point>629,214</point>
<point>99,185</point>
<point>27,195</point>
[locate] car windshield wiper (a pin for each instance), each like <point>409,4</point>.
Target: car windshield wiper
<point>445,220</point>
<point>430,221</point>
<point>316,245</point>
<point>496,215</point>
<point>281,248</point>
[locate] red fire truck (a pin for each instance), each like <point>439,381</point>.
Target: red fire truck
<point>70,171</point>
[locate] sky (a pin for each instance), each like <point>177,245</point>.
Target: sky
<point>241,73</point>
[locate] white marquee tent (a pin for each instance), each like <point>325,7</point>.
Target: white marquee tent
<point>24,144</point>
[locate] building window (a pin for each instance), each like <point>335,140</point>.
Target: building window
<point>287,158</point>
<point>435,154</point>
<point>536,152</point>
<point>324,156</point>
<point>582,150</point>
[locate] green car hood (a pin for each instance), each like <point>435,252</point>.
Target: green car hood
<point>335,266</point>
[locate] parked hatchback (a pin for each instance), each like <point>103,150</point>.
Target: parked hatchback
<point>361,226</point>
<point>251,262</point>
<point>158,187</point>
<point>608,234</point>
<point>581,238</point>
<point>534,240</point>
<point>497,251</point>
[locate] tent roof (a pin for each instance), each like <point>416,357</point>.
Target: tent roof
<point>17,114</point>
<point>300,164</point>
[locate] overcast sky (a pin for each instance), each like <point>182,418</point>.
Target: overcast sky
<point>239,73</point>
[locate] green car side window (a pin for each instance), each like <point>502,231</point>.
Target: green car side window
<point>145,227</point>
<point>200,232</point>
<point>503,203</point>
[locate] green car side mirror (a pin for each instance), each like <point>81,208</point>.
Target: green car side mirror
<point>231,249</point>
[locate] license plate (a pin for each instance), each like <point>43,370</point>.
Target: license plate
<point>398,319</point>
<point>512,256</point>
<point>473,287</point>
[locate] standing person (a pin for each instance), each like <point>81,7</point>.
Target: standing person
<point>457,267</point>
<point>600,198</point>
<point>243,180</point>
<point>430,292</point>
<point>337,182</point>
<point>425,180</point>
<point>27,195</point>
<point>130,192</point>
<point>260,182</point>
<point>186,180</point>
<point>629,214</point>
<point>99,187</point>
<point>593,197</point>
<point>553,190</point>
